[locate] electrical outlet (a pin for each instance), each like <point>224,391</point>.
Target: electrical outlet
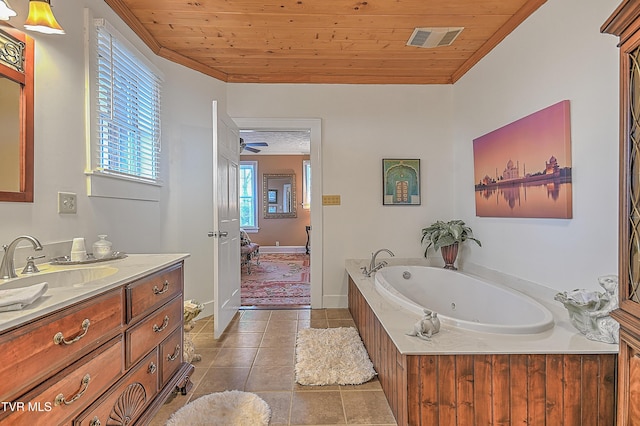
<point>67,203</point>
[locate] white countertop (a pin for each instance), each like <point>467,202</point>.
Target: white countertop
<point>132,267</point>
<point>562,338</point>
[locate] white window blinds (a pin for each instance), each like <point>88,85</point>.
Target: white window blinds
<point>128,108</point>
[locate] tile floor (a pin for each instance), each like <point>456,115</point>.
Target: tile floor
<point>257,354</point>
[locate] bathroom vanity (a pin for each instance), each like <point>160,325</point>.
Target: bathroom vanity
<point>98,352</point>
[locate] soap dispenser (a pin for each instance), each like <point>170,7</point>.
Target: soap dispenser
<point>102,248</point>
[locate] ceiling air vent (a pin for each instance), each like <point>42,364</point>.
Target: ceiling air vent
<point>433,37</point>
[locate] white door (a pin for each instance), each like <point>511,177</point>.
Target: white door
<point>226,219</point>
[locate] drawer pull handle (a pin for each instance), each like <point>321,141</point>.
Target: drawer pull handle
<point>95,422</point>
<point>59,337</point>
<point>175,354</point>
<point>165,287</point>
<point>152,368</point>
<point>165,323</point>
<point>60,399</point>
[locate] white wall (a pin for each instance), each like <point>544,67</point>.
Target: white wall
<point>557,54</point>
<point>361,125</point>
<point>178,222</point>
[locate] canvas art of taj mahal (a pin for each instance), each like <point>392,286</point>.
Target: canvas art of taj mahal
<point>524,168</point>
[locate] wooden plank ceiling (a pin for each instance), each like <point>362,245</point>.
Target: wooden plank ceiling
<point>322,41</point>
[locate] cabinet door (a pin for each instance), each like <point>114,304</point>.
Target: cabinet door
<point>170,355</point>
<point>629,279</point>
<point>634,387</point>
<point>127,399</point>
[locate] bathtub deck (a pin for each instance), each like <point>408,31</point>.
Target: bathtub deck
<point>460,377</point>
<point>563,338</point>
<point>449,390</point>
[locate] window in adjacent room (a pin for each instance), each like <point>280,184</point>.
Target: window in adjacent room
<point>248,196</point>
<point>306,184</point>
<point>124,109</point>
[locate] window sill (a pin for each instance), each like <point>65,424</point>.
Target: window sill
<point>110,186</point>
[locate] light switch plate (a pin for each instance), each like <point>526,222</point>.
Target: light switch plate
<point>67,203</point>
<point>330,200</point>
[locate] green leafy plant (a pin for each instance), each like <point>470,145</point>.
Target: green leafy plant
<point>442,234</point>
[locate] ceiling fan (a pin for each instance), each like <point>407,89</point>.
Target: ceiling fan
<point>249,146</point>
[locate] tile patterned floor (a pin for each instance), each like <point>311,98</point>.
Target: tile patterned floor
<point>257,354</point>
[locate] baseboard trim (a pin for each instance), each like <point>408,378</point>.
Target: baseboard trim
<point>283,249</point>
<point>335,301</point>
<point>207,310</point>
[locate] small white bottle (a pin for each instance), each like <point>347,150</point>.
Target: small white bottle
<point>102,248</point>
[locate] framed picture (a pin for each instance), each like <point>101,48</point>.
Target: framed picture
<point>523,169</point>
<point>272,209</point>
<point>401,182</point>
<point>272,196</point>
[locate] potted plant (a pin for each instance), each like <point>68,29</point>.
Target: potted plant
<point>447,236</point>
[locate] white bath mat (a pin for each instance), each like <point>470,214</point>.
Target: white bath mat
<point>229,408</point>
<point>332,356</point>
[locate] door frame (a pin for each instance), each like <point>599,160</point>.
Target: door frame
<point>314,125</point>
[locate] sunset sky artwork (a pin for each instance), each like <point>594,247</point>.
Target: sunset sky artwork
<point>530,142</point>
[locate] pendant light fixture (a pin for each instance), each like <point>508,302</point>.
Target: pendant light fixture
<point>41,18</point>
<point>5,10</point>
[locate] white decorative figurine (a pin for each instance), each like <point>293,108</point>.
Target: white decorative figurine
<point>589,311</point>
<point>427,326</point>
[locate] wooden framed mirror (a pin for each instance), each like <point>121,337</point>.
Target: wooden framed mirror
<point>16,115</point>
<point>279,196</point>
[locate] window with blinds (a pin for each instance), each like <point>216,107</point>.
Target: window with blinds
<point>127,109</point>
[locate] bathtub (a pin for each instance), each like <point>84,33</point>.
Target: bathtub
<point>462,300</point>
<point>460,372</point>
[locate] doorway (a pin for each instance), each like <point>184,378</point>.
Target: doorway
<point>314,241</point>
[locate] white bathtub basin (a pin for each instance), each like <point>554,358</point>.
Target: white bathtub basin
<point>58,278</point>
<point>462,300</point>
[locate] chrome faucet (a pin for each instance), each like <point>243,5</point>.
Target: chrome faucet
<point>372,264</point>
<point>7,267</point>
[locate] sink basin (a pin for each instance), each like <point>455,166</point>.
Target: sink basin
<point>59,278</point>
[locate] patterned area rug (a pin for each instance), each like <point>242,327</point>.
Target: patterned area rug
<point>281,279</point>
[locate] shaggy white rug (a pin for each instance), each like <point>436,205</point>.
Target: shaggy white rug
<point>330,356</point>
<point>228,408</point>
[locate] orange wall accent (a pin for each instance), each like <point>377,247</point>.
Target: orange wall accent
<point>290,231</point>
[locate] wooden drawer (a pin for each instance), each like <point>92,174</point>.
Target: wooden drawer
<point>72,390</point>
<point>170,355</point>
<point>146,294</point>
<point>147,334</point>
<point>129,397</point>
<point>31,353</point>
